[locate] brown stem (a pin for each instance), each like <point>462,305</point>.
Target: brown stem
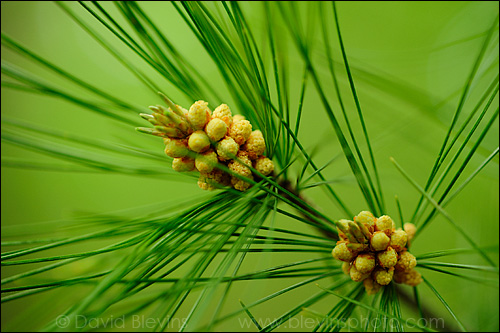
<point>304,204</point>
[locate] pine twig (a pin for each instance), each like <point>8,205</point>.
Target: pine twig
<point>403,294</point>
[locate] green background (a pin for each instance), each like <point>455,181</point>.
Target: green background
<point>410,61</point>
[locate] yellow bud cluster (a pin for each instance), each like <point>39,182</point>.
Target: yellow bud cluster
<point>411,230</point>
<point>176,147</point>
<point>199,114</point>
<point>227,148</point>
<point>224,113</point>
<point>374,252</point>
<point>182,164</point>
<point>202,140</point>
<point>199,141</point>
<point>206,162</point>
<point>411,277</point>
<point>264,165</point>
<point>255,145</point>
<point>240,131</point>
<point>213,179</point>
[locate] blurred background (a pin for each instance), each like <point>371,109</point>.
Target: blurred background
<point>410,62</point>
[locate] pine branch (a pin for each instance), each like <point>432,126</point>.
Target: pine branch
<point>404,295</point>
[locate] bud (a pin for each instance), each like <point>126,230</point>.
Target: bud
<point>168,131</point>
<point>199,115</point>
<point>214,179</point>
<point>342,252</point>
<point>205,183</point>
<point>365,217</point>
<point>373,246</point>
<point>379,241</point>
<point>198,141</point>
<point>242,170</point>
<point>240,131</point>
<point>150,118</point>
<point>371,287</point>
<point>365,262</point>
<point>363,229</point>
<point>357,233</point>
<point>216,129</point>
<point>346,267</point>
<point>239,168</point>
<point>387,258</point>
<point>264,165</point>
<point>398,240</point>
<point>171,105</point>
<point>195,130</point>
<point>147,130</point>
<point>357,247</point>
<point>356,275</point>
<point>384,223</point>
<point>182,164</point>
<point>180,122</point>
<point>410,230</point>
<point>238,117</point>
<point>343,226</point>
<point>176,147</point>
<point>411,277</point>
<point>406,261</point>
<point>206,162</point>
<point>255,145</point>
<point>167,118</point>
<point>240,184</point>
<point>224,113</point>
<point>383,276</point>
<point>227,148</point>
<point>168,122</point>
